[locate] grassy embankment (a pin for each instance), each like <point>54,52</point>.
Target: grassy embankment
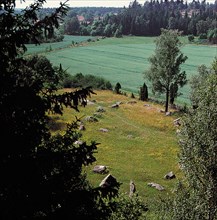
<point>121,60</point>
<point>140,145</point>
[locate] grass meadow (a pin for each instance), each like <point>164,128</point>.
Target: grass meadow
<point>121,60</point>
<point>140,145</point>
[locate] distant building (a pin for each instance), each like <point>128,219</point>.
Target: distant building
<point>80,18</point>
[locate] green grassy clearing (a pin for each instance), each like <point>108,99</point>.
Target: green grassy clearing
<point>121,59</point>
<point>141,144</point>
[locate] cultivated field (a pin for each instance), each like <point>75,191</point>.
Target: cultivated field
<point>121,60</point>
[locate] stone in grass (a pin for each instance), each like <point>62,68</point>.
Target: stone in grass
<point>168,113</point>
<point>100,109</point>
<point>90,102</point>
<point>103,130</point>
<point>177,122</point>
<point>101,169</point>
<point>156,186</point>
<point>132,188</point>
<point>115,105</point>
<point>170,175</point>
<point>91,119</point>
<point>108,181</point>
<point>82,127</point>
<point>147,105</point>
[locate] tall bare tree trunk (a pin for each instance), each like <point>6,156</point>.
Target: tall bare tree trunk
<point>167,100</point>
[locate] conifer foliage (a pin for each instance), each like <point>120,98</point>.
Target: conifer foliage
<point>143,94</point>
<point>41,174</point>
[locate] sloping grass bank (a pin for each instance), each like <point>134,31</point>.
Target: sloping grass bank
<point>140,145</point>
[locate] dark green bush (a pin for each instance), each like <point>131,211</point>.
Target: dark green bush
<point>79,80</point>
<point>191,38</point>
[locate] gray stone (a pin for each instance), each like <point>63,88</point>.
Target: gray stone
<point>81,127</point>
<point>156,186</point>
<point>90,102</point>
<point>168,113</point>
<point>108,181</point>
<point>91,119</point>
<point>132,188</point>
<point>100,169</point>
<point>115,105</point>
<point>177,122</point>
<point>100,109</point>
<point>170,175</point>
<point>103,130</point>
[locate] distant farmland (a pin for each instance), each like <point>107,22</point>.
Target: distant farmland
<point>120,60</point>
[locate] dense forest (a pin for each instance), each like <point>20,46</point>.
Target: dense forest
<point>197,18</point>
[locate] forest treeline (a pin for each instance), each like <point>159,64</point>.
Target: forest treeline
<point>197,18</point>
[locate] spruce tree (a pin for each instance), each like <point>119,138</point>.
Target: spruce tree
<point>41,173</point>
<point>117,88</point>
<point>143,94</point>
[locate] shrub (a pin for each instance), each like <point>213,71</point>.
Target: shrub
<point>117,88</point>
<point>202,36</point>
<point>79,80</point>
<point>191,38</point>
<point>128,208</point>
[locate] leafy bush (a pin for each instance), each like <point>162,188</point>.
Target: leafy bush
<point>202,36</point>
<point>196,196</point>
<point>191,38</point>
<point>79,80</point>
<point>212,36</point>
<point>128,208</point>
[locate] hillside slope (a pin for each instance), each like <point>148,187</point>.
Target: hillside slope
<point>139,142</point>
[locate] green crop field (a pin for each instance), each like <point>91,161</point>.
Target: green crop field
<point>45,47</point>
<point>122,60</point>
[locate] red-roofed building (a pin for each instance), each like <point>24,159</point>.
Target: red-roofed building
<point>80,18</point>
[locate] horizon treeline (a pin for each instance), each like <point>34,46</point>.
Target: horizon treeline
<point>195,18</point>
